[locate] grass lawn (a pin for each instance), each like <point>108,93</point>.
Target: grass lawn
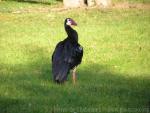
<point>114,76</point>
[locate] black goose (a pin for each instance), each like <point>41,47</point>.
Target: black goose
<point>67,54</point>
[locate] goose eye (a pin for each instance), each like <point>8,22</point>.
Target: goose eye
<point>68,20</point>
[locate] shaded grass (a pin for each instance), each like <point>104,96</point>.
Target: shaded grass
<point>114,74</point>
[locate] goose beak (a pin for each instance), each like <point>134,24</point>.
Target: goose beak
<point>73,22</point>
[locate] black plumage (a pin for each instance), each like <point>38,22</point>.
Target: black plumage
<point>67,54</point>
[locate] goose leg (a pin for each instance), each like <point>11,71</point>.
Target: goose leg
<point>74,75</point>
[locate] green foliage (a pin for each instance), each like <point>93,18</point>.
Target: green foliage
<point>114,75</point>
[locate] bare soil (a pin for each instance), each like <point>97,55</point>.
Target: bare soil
<point>61,8</point>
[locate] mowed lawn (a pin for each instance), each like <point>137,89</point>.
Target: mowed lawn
<point>114,76</point>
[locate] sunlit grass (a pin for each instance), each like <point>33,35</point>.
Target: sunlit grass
<point>14,5</point>
<point>115,71</point>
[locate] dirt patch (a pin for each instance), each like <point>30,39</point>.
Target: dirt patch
<point>127,5</point>
<point>59,8</point>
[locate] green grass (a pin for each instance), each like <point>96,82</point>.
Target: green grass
<point>12,5</point>
<point>114,76</point>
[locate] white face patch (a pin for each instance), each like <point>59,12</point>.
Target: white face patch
<point>68,22</point>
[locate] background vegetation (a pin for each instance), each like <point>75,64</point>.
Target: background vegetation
<point>114,76</point>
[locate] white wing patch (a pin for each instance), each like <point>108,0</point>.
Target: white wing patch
<point>80,48</point>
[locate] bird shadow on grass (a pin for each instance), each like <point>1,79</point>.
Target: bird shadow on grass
<point>29,88</point>
<point>46,2</point>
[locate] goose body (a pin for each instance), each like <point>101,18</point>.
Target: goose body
<point>67,54</point>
